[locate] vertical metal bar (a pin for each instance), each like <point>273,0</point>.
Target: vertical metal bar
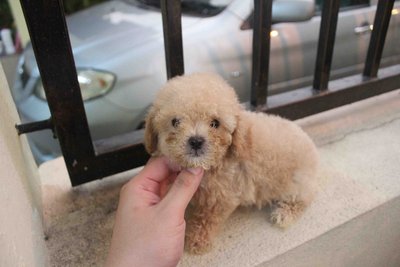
<point>327,32</point>
<point>49,35</point>
<point>378,36</point>
<point>171,16</point>
<point>261,48</point>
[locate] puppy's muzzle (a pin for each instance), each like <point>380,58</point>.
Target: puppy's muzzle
<point>196,145</point>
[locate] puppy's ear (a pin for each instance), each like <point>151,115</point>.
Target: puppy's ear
<point>241,140</point>
<point>150,134</point>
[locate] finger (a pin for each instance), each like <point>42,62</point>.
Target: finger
<point>166,184</point>
<point>156,169</point>
<point>183,189</point>
<point>149,178</point>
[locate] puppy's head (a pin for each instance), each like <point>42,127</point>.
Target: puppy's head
<point>192,120</point>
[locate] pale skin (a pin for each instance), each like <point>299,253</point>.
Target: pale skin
<point>149,226</point>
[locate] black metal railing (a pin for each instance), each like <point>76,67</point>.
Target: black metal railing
<point>87,161</point>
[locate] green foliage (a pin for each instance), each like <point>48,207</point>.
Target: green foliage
<point>6,19</point>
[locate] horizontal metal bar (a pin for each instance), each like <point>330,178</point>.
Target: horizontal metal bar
<point>121,141</point>
<point>304,102</point>
<point>34,126</point>
<point>261,48</point>
<point>113,155</point>
<point>109,163</point>
<point>378,36</point>
<point>326,41</point>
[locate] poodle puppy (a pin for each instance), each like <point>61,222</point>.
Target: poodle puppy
<point>249,158</point>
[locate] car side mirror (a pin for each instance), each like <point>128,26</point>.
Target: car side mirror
<point>286,11</point>
<point>292,10</point>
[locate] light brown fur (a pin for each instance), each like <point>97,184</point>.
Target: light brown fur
<point>250,159</point>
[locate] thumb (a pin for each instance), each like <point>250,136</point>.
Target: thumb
<point>183,189</point>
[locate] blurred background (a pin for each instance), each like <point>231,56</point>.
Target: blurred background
<point>15,30</point>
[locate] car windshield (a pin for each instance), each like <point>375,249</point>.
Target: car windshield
<point>202,8</point>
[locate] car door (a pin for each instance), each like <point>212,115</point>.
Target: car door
<point>391,51</point>
<point>293,59</point>
<point>227,47</point>
<point>294,45</point>
<point>352,37</point>
<point>354,28</point>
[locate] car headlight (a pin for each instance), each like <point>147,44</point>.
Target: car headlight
<point>93,83</point>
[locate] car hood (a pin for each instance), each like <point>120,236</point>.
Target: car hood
<point>112,28</point>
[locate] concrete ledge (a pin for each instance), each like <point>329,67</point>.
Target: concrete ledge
<point>359,179</point>
<point>370,240</point>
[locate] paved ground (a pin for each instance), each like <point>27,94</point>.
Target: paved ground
<point>360,150</point>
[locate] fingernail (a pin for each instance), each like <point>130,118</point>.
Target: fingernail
<point>195,171</point>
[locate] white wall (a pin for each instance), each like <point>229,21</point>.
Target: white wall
<point>21,231</point>
<point>19,20</point>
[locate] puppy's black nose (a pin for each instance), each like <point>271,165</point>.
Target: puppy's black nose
<point>196,142</point>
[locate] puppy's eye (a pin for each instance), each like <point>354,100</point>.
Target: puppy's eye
<point>175,122</point>
<point>214,123</point>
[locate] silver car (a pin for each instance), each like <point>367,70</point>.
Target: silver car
<point>119,53</point>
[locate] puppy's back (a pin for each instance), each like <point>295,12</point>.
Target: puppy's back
<point>280,147</point>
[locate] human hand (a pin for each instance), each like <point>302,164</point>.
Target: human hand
<point>150,227</point>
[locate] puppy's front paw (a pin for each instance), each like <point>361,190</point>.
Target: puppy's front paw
<point>197,240</point>
<point>286,213</point>
<point>281,218</point>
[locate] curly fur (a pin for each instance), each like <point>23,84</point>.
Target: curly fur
<point>250,158</point>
